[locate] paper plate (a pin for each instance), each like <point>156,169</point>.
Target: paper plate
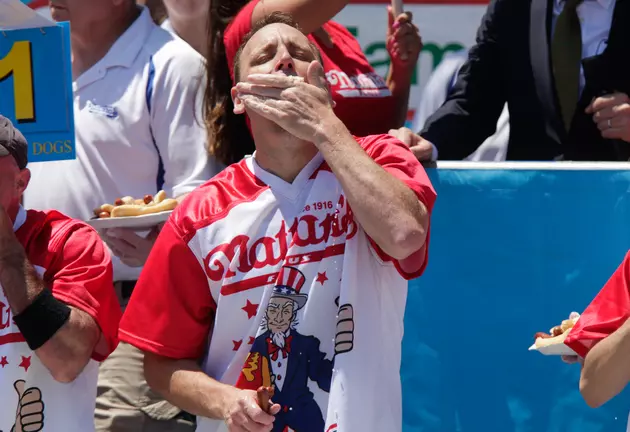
<point>554,350</point>
<point>138,223</point>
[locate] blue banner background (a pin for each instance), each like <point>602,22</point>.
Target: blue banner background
<point>51,135</point>
<point>512,253</point>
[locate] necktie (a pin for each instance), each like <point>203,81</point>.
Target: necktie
<point>566,56</point>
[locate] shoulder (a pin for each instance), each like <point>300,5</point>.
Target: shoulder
<point>374,144</point>
<point>52,233</point>
<point>212,201</point>
<point>171,55</point>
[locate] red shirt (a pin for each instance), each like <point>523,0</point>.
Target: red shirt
<point>363,100</point>
<point>72,261</point>
<point>75,266</point>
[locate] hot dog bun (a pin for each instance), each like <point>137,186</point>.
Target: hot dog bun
<point>142,210</point>
<point>128,206</point>
<point>159,197</point>
<point>543,342</point>
<point>557,334</point>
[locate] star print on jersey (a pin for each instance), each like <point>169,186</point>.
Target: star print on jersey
<point>251,340</point>
<point>290,361</point>
<point>321,278</point>
<point>3,361</point>
<point>237,344</point>
<point>26,363</point>
<point>251,309</point>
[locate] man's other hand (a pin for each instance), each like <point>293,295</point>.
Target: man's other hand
<point>612,115</point>
<point>132,249</point>
<point>244,415</point>
<point>421,148</point>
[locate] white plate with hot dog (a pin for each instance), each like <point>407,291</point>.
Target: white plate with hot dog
<point>137,214</point>
<point>552,343</point>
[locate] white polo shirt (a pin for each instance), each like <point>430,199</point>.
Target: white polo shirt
<point>135,118</point>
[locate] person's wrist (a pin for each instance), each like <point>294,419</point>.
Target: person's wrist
<point>402,72</point>
<point>329,130</point>
<point>229,396</point>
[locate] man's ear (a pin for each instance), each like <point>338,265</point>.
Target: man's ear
<point>239,107</point>
<point>23,180</point>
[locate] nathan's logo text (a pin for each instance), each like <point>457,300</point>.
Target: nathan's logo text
<point>51,147</point>
<point>5,316</point>
<point>308,230</point>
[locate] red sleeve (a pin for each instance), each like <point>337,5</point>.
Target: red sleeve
<point>81,276</point>
<point>396,158</point>
<point>171,310</point>
<point>236,31</point>
<point>608,311</point>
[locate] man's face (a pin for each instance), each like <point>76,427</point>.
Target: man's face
<point>277,49</point>
<point>187,9</point>
<point>80,12</point>
<point>280,314</point>
<point>13,182</point>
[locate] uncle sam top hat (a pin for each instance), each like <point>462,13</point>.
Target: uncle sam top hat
<point>290,282</point>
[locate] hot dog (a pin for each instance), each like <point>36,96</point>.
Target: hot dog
<point>141,210</point>
<point>557,334</point>
<point>128,206</point>
<point>159,197</point>
<point>264,396</point>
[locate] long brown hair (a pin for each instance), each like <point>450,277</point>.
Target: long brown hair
<point>229,139</point>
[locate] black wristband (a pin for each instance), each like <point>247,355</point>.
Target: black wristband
<point>41,319</point>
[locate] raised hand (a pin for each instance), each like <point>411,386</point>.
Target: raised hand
<point>299,106</point>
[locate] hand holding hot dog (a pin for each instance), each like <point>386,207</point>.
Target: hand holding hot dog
<point>243,414</point>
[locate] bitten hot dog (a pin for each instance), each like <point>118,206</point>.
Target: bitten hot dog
<point>264,396</point>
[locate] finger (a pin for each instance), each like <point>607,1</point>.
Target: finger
<point>32,410</point>
<point>275,80</point>
<point>404,30</point>
<point>390,17</point>
<point>19,387</point>
<point>120,248</point>
<point>608,101</point>
<point>421,152</point>
<point>128,236</point>
<point>614,133</point>
<point>315,75</point>
<point>612,123</point>
<point>274,408</point>
<point>257,415</point>
<point>604,114</point>
<point>262,107</point>
<point>259,90</point>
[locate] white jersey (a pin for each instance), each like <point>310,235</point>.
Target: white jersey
<point>302,299</point>
<point>71,258</point>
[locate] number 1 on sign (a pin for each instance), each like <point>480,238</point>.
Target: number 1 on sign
<point>19,64</point>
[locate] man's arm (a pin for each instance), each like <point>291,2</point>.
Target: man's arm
<point>387,209</point>
<point>170,317</point>
<point>471,112</point>
<point>309,14</point>
<point>78,305</point>
<point>606,370</point>
<point>185,385</point>
<point>67,352</point>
